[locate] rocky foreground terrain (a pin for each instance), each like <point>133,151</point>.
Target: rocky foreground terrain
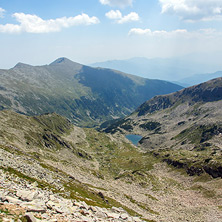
<point>52,170</point>
<point>23,201</point>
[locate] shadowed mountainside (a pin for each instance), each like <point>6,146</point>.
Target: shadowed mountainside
<point>87,96</point>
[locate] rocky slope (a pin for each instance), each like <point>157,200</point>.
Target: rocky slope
<point>87,96</point>
<point>24,201</point>
<point>54,171</point>
<point>183,129</point>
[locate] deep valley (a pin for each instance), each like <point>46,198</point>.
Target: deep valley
<point>64,155</point>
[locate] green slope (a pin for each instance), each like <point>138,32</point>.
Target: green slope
<point>183,128</point>
<point>101,169</point>
<point>87,96</point>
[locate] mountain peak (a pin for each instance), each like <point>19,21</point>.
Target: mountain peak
<point>62,60</point>
<point>21,65</point>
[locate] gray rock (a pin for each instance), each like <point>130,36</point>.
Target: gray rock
<point>100,214</point>
<point>34,207</point>
<point>30,217</point>
<point>83,205</point>
<point>86,219</point>
<point>27,195</point>
<point>124,216</point>
<point>115,209</point>
<point>12,200</point>
<point>45,216</point>
<point>93,209</point>
<point>137,219</point>
<point>113,215</point>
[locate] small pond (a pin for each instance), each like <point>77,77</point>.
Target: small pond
<point>134,138</point>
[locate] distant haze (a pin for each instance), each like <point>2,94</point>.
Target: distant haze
<point>188,70</point>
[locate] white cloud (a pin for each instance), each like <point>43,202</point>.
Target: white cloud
<point>2,11</point>
<point>10,28</point>
<point>179,33</point>
<point>160,33</point>
<point>117,3</point>
<point>34,24</point>
<point>114,14</point>
<point>193,10</point>
<point>117,15</point>
<point>131,17</point>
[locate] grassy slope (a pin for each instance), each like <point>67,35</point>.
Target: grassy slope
<point>87,162</point>
<point>184,128</point>
<point>87,96</point>
<point>45,137</point>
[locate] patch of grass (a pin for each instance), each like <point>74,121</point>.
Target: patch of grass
<point>115,156</point>
<point>81,192</point>
<point>173,183</point>
<point>141,205</point>
<point>151,197</point>
<point>203,178</point>
<point>206,193</point>
<point>41,184</point>
<point>199,134</point>
<point>150,125</point>
<point>4,211</point>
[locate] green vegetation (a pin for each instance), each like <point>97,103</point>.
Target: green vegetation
<point>4,210</point>
<point>50,133</point>
<point>115,157</point>
<point>142,205</point>
<point>201,159</point>
<point>206,192</point>
<point>41,184</point>
<point>199,134</point>
<point>150,125</point>
<point>85,95</point>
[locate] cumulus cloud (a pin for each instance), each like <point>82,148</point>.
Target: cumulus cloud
<point>181,33</point>
<point>114,14</point>
<point>117,3</point>
<point>34,24</point>
<point>117,15</point>
<point>193,10</point>
<point>2,11</point>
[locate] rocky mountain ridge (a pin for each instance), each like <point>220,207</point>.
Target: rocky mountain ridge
<point>205,92</point>
<point>183,129</point>
<point>87,96</point>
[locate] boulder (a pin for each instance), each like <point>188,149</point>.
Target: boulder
<point>27,195</point>
<point>12,200</point>
<point>30,217</point>
<point>34,207</point>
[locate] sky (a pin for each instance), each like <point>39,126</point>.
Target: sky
<point>86,31</point>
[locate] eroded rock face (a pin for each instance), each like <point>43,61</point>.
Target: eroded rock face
<point>214,172</point>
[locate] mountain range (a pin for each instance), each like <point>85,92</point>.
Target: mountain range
<point>199,78</point>
<point>87,96</point>
<point>51,169</point>
<point>185,70</point>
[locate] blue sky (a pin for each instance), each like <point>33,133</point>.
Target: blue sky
<point>37,32</point>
